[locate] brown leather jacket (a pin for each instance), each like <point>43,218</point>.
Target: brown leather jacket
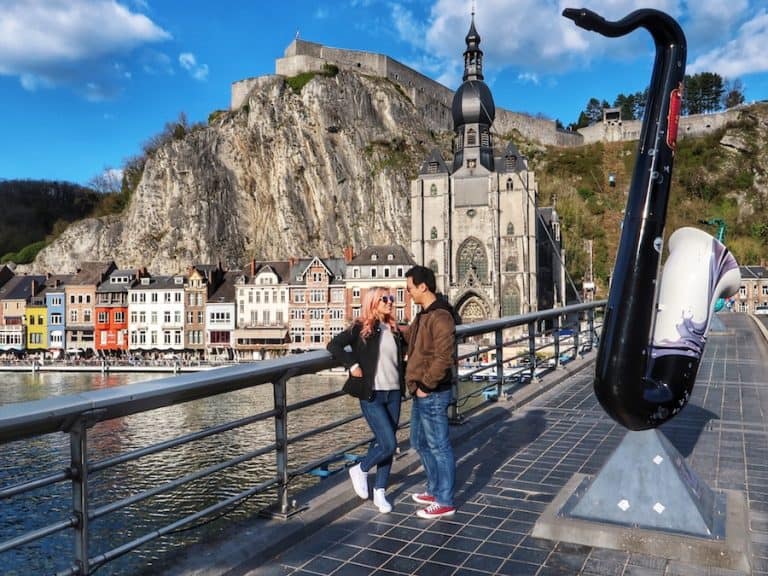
<point>431,349</point>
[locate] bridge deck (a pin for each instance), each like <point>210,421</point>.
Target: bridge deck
<point>512,463</point>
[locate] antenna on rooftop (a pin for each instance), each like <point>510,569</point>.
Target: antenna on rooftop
<point>473,8</point>
<point>297,33</point>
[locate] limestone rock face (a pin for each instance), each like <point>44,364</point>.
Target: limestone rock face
<point>285,175</point>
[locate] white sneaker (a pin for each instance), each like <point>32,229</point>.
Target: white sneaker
<point>380,501</point>
<point>359,481</point>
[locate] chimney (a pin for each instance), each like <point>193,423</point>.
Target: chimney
<point>349,253</point>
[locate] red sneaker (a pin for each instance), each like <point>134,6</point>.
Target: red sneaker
<point>423,498</point>
<point>436,510</point>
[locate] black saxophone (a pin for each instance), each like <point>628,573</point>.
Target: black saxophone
<point>655,329</point>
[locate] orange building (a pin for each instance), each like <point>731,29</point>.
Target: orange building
<point>111,325</point>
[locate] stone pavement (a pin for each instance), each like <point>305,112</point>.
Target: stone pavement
<point>512,463</point>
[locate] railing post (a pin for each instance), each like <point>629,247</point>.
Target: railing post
<point>558,328</point>
<point>499,362</point>
<point>532,347</point>
<point>78,450</point>
<point>283,508</point>
<point>453,409</point>
<point>281,441</point>
<point>591,327</point>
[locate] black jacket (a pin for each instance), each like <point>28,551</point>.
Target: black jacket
<point>366,354</point>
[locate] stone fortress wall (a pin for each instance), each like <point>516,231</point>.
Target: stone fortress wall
<point>431,98</point>
<point>434,100</point>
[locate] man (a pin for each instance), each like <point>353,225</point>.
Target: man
<point>431,349</point>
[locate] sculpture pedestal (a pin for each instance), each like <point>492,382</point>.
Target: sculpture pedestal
<point>646,499</point>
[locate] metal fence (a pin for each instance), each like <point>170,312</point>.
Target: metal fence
<point>521,348</point>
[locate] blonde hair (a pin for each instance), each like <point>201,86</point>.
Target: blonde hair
<point>368,307</point>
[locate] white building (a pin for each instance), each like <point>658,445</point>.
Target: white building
<point>263,302</point>
<point>156,314</point>
<point>221,318</point>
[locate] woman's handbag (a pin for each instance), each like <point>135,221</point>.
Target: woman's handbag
<point>356,386</point>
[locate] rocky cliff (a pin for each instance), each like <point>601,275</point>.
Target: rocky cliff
<point>288,174</point>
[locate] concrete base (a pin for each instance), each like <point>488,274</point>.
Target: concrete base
<point>732,552</point>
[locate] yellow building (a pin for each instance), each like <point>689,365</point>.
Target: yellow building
<point>36,321</point>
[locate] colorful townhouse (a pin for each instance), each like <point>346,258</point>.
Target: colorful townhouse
<point>15,295</point>
<point>80,301</point>
<point>379,266</point>
<point>263,305</point>
<point>156,315</point>
<point>56,310</point>
<point>317,302</point>
<point>111,327</point>
<point>753,292</point>
<point>220,318</point>
<point>36,316</point>
<point>202,281</point>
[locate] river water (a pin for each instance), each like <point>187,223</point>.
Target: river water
<point>20,461</point>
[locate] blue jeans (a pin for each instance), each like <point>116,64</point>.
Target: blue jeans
<point>429,437</point>
<point>382,414</point>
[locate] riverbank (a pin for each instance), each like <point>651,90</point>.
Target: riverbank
<point>106,367</point>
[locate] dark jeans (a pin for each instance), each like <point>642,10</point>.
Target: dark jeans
<point>382,414</point>
<point>429,437</point>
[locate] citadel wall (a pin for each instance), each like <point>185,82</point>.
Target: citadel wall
<point>434,100</point>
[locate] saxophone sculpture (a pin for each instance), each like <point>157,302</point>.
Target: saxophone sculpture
<point>654,333</point>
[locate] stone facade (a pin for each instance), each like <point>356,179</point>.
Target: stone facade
<point>474,223</point>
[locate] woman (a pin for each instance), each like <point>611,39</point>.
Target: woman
<point>371,349</point>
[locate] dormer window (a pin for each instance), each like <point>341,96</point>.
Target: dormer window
<point>390,257</point>
<point>374,257</point>
<point>510,162</point>
<point>432,168</point>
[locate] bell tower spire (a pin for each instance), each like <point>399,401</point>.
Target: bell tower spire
<point>473,56</point>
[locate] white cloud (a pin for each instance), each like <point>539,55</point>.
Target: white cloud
<point>528,78</point>
<point>69,41</point>
<point>744,54</point>
<point>531,37</point>
<point>188,61</point>
<point>321,13</point>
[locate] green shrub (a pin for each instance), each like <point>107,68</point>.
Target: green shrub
<point>298,82</point>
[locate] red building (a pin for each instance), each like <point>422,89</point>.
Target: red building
<point>111,326</point>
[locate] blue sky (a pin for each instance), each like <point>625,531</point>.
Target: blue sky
<point>83,83</point>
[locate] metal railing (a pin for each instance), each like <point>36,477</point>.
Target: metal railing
<point>76,414</point>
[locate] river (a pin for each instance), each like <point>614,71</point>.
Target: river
<point>50,453</point>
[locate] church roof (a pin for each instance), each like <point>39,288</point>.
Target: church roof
<point>434,164</point>
<point>473,102</point>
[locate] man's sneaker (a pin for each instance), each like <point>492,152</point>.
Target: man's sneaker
<point>423,498</point>
<point>359,481</point>
<point>380,501</point>
<point>436,510</point>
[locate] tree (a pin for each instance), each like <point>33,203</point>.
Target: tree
<point>734,93</point>
<point>594,110</point>
<point>703,93</point>
<point>108,182</point>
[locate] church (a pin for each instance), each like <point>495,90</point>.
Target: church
<point>474,220</point>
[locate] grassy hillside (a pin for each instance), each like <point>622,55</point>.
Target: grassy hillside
<point>722,175</point>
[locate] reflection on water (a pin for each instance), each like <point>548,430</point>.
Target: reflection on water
<point>25,460</point>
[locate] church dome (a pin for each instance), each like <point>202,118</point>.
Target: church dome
<point>473,104</point>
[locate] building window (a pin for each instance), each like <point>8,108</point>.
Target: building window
<point>433,189</point>
<point>472,256</point>
<point>102,317</point>
<point>510,301</point>
<point>433,266</point>
<point>432,168</point>
<point>511,264</point>
<point>356,293</point>
<point>433,233</point>
<point>373,272</point>
<point>316,334</point>
<point>119,317</point>
<point>510,184</point>
<point>471,137</point>
<point>510,229</point>
<point>510,163</point>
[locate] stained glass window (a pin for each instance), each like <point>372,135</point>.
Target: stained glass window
<point>510,300</point>
<point>472,256</point>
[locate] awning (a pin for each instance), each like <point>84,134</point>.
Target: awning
<point>277,333</point>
